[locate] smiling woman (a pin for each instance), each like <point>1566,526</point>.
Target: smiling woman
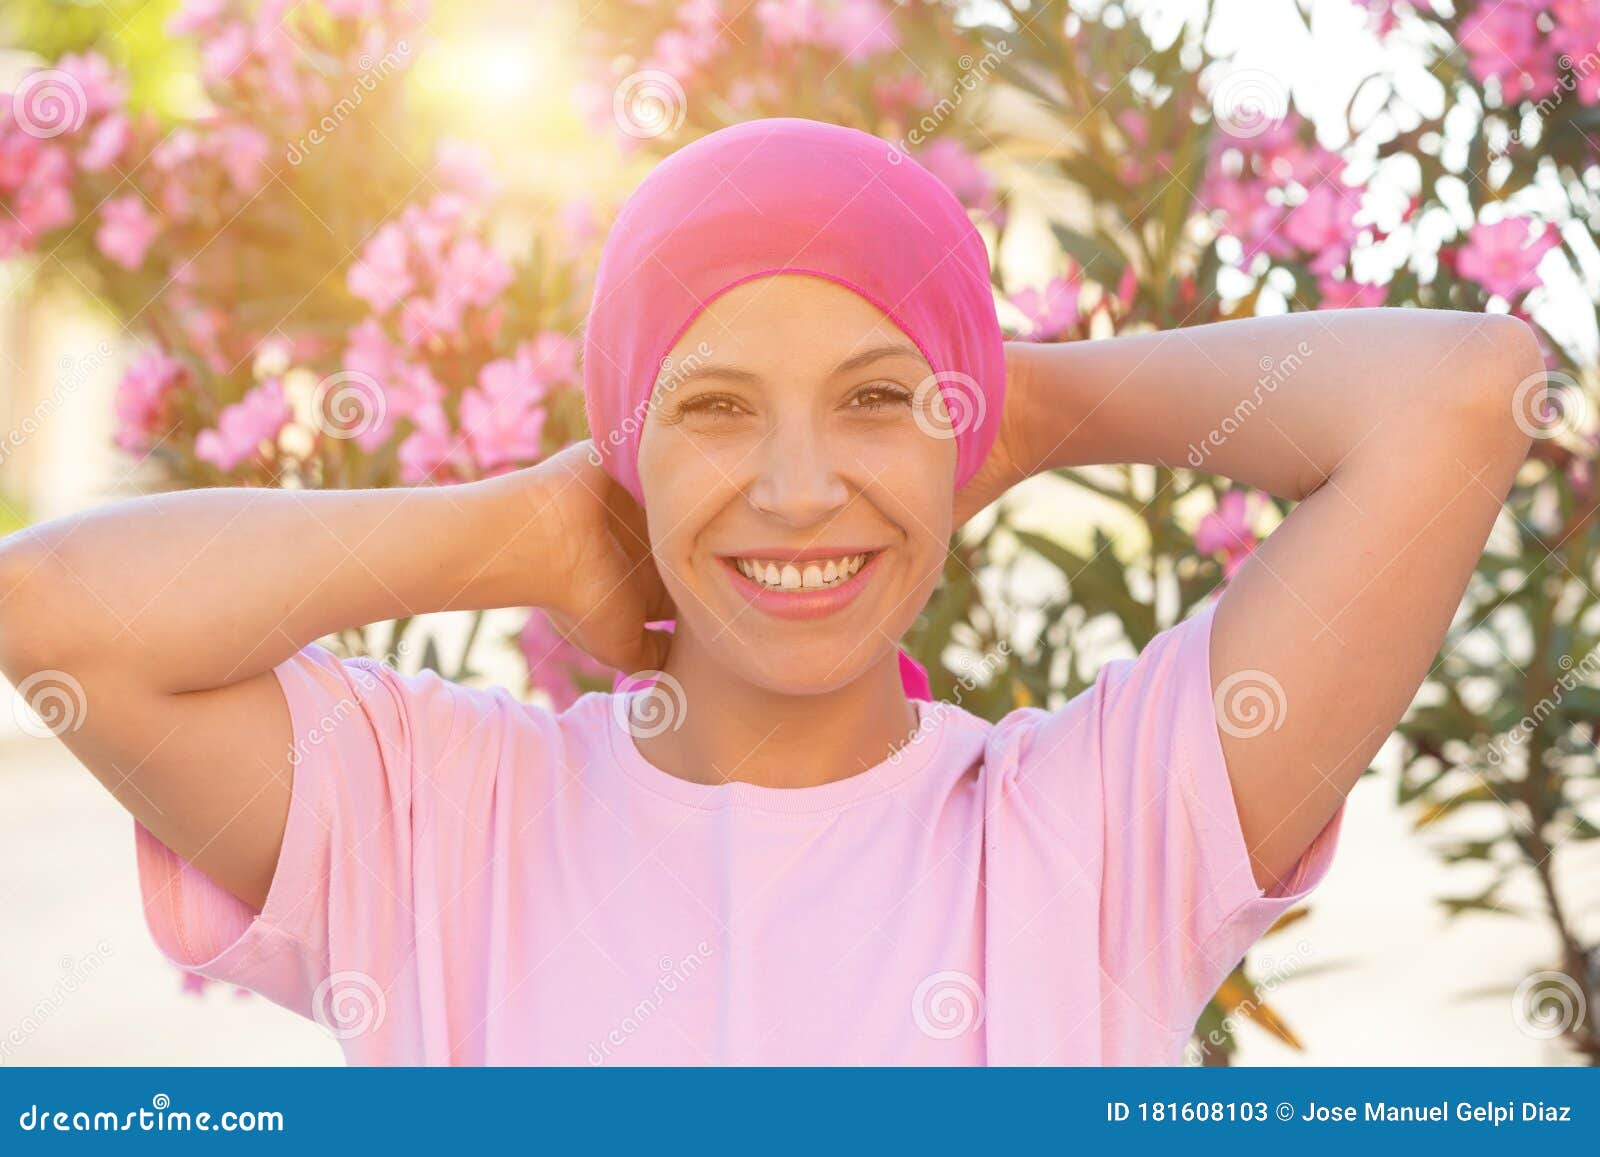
<point>797,389</point>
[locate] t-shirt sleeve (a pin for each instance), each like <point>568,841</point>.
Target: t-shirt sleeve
<point>341,890</point>
<point>1179,904</point>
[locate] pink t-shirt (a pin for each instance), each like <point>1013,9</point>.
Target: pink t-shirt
<point>467,879</point>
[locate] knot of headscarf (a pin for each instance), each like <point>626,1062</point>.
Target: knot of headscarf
<point>788,195</point>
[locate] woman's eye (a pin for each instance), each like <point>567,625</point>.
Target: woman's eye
<point>710,405</point>
<point>876,398</point>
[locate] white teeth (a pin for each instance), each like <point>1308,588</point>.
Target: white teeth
<point>801,576</point>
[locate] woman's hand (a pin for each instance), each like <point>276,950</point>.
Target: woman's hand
<point>1009,461</point>
<point>595,562</point>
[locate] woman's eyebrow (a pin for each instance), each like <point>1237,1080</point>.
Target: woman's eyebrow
<point>896,349</point>
<point>734,374</point>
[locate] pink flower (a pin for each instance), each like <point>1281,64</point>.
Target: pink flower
<point>106,142</point>
<point>35,185</point>
<point>242,427</point>
<point>104,88</point>
<point>142,402</point>
<point>432,452</point>
<point>465,167</point>
<point>551,357</point>
<point>504,417</point>
<point>862,28</point>
<point>242,150</point>
<point>126,230</point>
<point>1051,313</point>
<point>1228,529</point>
<point>1503,43</point>
<point>554,664</point>
<point>1502,259</point>
<point>951,161</point>
<point>381,277</point>
<point>1576,35</point>
<point>1324,223</point>
<point>1347,293</point>
<point>787,22</point>
<point>681,51</point>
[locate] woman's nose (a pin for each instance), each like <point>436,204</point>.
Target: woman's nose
<point>797,478</point>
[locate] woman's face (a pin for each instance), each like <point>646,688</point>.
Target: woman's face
<point>797,490</point>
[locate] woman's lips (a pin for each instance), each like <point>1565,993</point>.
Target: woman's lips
<point>806,602</point>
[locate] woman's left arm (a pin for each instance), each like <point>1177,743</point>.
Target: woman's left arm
<point>1393,429</point>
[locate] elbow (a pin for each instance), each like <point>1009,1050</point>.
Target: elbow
<point>1509,397</point>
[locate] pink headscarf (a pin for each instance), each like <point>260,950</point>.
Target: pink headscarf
<point>787,195</point>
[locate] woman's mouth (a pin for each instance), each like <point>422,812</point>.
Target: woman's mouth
<point>811,574</point>
<point>801,588</point>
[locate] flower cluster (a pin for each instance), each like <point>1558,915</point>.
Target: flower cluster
<point>1276,193</point>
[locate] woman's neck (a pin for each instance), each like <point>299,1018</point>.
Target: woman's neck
<point>724,729</point>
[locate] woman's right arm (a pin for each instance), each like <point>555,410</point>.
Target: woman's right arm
<point>170,612</point>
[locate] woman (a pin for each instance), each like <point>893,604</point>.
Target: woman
<point>776,851</point>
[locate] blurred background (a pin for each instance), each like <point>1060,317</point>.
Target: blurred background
<point>347,243</point>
